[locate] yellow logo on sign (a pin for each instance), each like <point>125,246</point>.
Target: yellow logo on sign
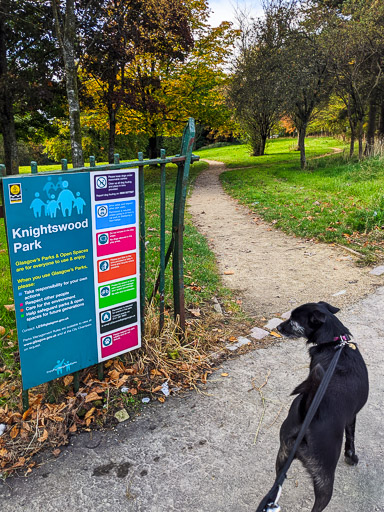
<point>15,189</point>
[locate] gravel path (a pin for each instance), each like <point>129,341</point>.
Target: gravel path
<point>272,272</point>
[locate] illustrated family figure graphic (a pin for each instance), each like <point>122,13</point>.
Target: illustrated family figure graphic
<point>59,198</point>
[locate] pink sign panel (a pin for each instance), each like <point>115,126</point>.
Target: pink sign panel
<point>113,242</point>
<point>119,341</point>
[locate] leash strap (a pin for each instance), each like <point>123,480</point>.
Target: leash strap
<point>272,496</point>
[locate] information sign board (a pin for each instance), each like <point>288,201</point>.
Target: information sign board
<point>73,246</point>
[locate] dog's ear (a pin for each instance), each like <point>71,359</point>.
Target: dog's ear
<point>317,317</point>
<point>330,308</point>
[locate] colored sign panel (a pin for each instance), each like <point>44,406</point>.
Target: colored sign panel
<point>54,246</point>
<point>112,242</point>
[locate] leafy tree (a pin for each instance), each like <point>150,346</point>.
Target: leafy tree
<point>256,88</point>
<point>173,71</point>
<point>28,67</point>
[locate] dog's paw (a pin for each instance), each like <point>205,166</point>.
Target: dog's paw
<point>351,458</point>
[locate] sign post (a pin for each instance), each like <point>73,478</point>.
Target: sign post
<point>73,244</point>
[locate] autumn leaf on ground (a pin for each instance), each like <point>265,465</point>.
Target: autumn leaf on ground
<point>225,374</point>
<point>229,272</point>
<point>92,396</point>
<point>44,437</point>
<point>156,372</point>
<point>68,379</point>
<point>9,307</point>
<point>2,330</point>
<point>273,333</point>
<point>195,312</point>
<point>89,413</point>
<point>14,432</point>
<point>232,338</point>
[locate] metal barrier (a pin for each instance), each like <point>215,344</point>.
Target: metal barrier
<point>175,249</point>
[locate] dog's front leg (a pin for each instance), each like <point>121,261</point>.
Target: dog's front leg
<point>350,456</point>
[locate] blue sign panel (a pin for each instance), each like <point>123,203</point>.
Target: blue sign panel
<point>53,224</point>
<point>50,247</point>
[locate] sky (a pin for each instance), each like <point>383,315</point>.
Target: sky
<point>224,10</point>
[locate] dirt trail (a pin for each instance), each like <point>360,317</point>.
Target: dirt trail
<point>272,272</point>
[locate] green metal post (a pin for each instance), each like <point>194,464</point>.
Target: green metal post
<point>92,161</point>
<point>64,164</point>
<point>3,170</point>
<point>162,239</point>
<point>34,167</point>
<point>100,371</point>
<point>76,381</point>
<point>116,158</point>
<point>142,241</point>
<point>25,399</point>
<point>178,222</point>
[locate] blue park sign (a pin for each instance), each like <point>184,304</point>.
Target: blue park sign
<point>73,247</point>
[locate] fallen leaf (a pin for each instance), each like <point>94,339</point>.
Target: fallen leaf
<point>273,333</point>
<point>89,413</point>
<point>2,330</point>
<point>156,372</point>
<point>44,437</point>
<point>9,307</point>
<point>92,396</point>
<point>27,413</point>
<point>161,399</point>
<point>232,338</point>
<point>224,374</point>
<point>56,452</point>
<point>229,272</point>
<point>114,375</point>
<point>14,431</point>
<point>68,379</point>
<point>195,312</point>
<point>73,428</point>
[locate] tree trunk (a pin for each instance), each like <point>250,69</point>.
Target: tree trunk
<point>381,124</point>
<point>7,122</point>
<point>372,115</point>
<point>353,137</point>
<point>360,137</point>
<point>112,135</point>
<point>67,38</point>
<point>301,144</point>
<point>152,147</point>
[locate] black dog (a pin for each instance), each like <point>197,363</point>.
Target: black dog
<point>346,394</point>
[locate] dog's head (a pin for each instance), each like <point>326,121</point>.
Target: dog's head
<point>315,321</point>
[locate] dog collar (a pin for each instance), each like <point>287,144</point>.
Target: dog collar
<point>344,340</point>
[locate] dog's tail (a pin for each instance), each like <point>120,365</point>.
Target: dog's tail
<point>309,387</point>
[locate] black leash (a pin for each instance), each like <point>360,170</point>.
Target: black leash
<point>270,500</point>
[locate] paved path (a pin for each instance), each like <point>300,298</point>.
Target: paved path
<point>197,453</point>
<point>208,451</point>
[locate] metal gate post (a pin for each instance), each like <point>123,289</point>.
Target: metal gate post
<point>178,222</point>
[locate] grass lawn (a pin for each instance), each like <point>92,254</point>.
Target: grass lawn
<point>334,200</point>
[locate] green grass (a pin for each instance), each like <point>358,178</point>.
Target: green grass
<point>334,200</point>
<point>277,150</point>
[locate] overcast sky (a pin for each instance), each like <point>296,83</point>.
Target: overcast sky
<point>224,10</point>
